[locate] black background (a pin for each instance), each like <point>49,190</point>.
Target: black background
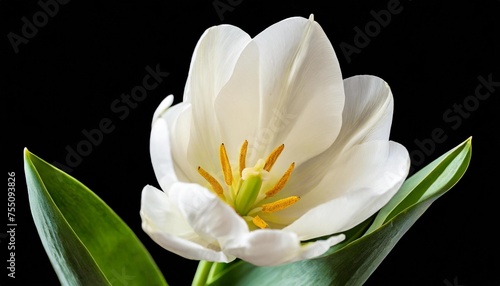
<point>89,53</point>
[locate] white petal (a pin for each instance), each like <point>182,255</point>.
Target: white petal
<point>211,66</point>
<point>187,248</point>
<point>179,124</point>
<point>159,146</point>
<point>237,106</point>
<point>207,214</point>
<point>159,213</point>
<point>270,247</point>
<point>367,116</point>
<point>286,88</point>
<point>368,111</point>
<point>164,151</point>
<point>362,181</point>
<point>213,61</point>
<point>302,91</point>
<point>163,222</point>
<point>165,104</point>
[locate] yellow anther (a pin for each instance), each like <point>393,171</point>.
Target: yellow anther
<point>243,155</point>
<point>271,159</point>
<point>279,204</point>
<point>260,223</point>
<point>226,167</point>
<point>281,183</point>
<point>211,180</point>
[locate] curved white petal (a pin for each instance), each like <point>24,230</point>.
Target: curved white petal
<point>301,89</point>
<point>179,124</point>
<point>212,65</point>
<point>159,146</point>
<point>207,214</point>
<point>368,111</point>
<point>160,213</point>
<point>238,105</point>
<point>190,221</point>
<point>362,181</point>
<point>300,92</point>
<point>367,116</point>
<point>165,104</point>
<point>163,222</point>
<point>269,247</point>
<point>213,61</point>
<point>168,156</point>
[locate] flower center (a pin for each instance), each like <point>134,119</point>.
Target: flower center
<point>244,187</point>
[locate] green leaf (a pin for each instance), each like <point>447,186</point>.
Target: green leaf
<point>430,182</point>
<point>86,242</point>
<point>353,263</point>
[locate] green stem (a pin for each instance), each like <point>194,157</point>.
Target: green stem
<point>216,268</point>
<point>206,271</point>
<point>202,273</point>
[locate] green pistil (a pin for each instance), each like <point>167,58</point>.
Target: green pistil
<point>247,194</point>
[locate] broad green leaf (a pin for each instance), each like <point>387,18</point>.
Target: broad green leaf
<point>86,242</point>
<point>353,263</point>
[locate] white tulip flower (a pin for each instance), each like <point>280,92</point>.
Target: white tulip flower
<point>269,148</point>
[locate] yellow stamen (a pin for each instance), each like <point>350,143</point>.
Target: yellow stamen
<point>271,159</point>
<point>281,183</point>
<point>226,167</point>
<point>211,180</point>
<point>279,204</point>
<point>243,155</point>
<point>260,223</point>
